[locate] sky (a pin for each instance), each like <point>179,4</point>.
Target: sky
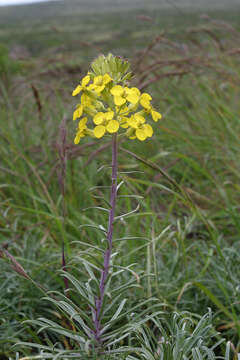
<point>19,2</point>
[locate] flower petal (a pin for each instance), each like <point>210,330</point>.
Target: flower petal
<point>106,79</point>
<point>117,90</point>
<point>91,87</point>
<point>78,137</point>
<point>98,80</point>
<point>146,97</point>
<point>155,115</point>
<point>85,100</point>
<point>141,135</point>
<point>139,119</point>
<point>133,95</point>
<point>136,90</point>
<point>112,126</point>
<point>99,131</point>
<point>78,112</point>
<point>77,90</point>
<point>82,124</point>
<point>132,122</point>
<point>85,80</point>
<point>99,88</point>
<point>132,98</point>
<point>145,100</point>
<point>124,122</point>
<point>118,100</point>
<point>123,111</point>
<point>148,130</point>
<point>109,115</point>
<point>98,118</point>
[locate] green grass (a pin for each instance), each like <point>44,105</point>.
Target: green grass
<point>184,238</point>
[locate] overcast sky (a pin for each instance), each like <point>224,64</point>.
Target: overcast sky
<point>18,2</point>
<point>166,2</point>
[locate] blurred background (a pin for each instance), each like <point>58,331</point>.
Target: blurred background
<point>81,29</point>
<point>55,40</point>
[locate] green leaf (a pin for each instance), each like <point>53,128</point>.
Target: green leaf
<point>213,298</point>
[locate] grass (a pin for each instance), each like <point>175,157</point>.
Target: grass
<point>184,238</point>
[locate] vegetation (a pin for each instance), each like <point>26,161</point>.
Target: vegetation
<point>174,288</point>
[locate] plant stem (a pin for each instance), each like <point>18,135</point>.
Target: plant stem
<point>108,252</point>
<point>61,146</point>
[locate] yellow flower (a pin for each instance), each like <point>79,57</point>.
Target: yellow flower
<point>101,118</point>
<point>135,121</point>
<point>144,132</point>
<point>86,100</point>
<point>99,83</point>
<point>78,112</point>
<point>99,131</point>
<point>110,105</point>
<point>122,111</point>
<point>145,100</point>
<point>155,115</point>
<point>81,130</point>
<point>81,87</point>
<point>86,104</point>
<point>112,126</point>
<point>138,128</point>
<point>124,94</point>
<point>123,121</point>
<point>105,122</point>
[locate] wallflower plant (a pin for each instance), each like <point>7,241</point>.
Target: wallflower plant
<point>108,106</point>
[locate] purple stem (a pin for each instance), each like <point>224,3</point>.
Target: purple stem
<point>108,252</point>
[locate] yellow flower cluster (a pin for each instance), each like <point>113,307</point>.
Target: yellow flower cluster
<point>108,107</point>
